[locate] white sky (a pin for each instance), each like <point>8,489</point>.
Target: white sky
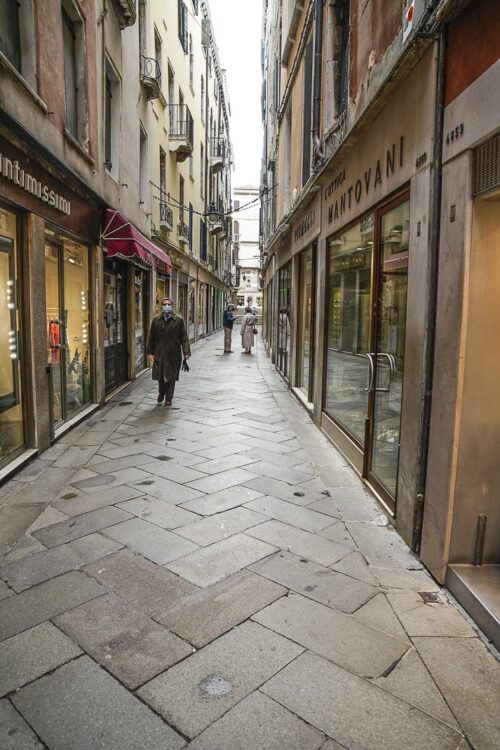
<point>237,31</point>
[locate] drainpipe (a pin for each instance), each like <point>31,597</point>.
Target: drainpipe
<point>318,61</point>
<point>433,289</point>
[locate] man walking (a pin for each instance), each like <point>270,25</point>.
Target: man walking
<point>228,322</point>
<point>168,341</point>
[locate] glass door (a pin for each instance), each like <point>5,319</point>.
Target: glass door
<point>56,333</point>
<point>115,324</point>
<point>388,358</point>
<point>305,341</point>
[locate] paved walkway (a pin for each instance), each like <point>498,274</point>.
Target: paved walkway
<point>214,575</point>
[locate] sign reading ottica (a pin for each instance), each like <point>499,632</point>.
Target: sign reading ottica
<point>12,171</point>
<point>342,196</point>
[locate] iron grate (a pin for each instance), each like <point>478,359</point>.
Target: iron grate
<point>486,169</point>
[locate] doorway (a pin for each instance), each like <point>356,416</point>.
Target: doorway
<point>367,295</point>
<point>68,327</point>
<point>305,354</point>
<point>115,324</point>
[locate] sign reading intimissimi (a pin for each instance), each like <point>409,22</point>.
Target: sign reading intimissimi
<point>10,170</point>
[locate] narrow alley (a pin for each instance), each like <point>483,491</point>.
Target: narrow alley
<point>213,575</point>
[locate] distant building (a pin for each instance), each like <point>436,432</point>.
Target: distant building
<point>246,217</point>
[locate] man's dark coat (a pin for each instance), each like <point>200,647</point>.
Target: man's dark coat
<point>168,341</point>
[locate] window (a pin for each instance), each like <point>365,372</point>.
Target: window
<point>163,174</point>
<point>143,168</point>
<point>142,27</point>
<point>183,24</point>
<point>288,155</point>
<point>306,132</point>
<point>191,166</point>
<point>158,56</point>
<point>181,198</point>
<point>191,61</point>
<point>75,73</point>
<point>340,54</point>
<point>202,98</point>
<point>191,214</point>
<point>202,171</point>
<point>17,34</point>
<point>195,6</point>
<point>112,120</point>
<point>203,240</point>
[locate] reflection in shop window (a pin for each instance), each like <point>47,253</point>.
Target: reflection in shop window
<point>11,414</point>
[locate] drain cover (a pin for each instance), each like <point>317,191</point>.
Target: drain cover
<point>430,596</point>
<point>215,686</point>
<point>299,494</point>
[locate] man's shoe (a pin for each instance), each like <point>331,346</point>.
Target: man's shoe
<point>160,398</point>
<point>168,403</point>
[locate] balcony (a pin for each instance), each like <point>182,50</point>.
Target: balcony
<point>181,131</point>
<point>150,76</point>
<point>125,12</point>
<point>166,216</point>
<point>217,154</point>
<point>183,233</point>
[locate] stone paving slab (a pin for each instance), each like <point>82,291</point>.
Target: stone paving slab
<point>23,611</point>
<point>259,722</point>
<point>124,641</point>
<point>210,564</point>
<point>282,473</point>
<point>354,712</point>
<point>159,545</point>
<point>333,634</point>
<point>41,566</point>
<point>15,734</point>
<point>218,502</point>
<point>222,480</point>
<point>217,527</point>
<point>207,613</point>
<point>173,471</point>
<point>5,591</point>
<point>225,463</point>
<point>14,520</point>
<point>383,547</point>
<point>355,566</point>
<point>433,618</point>
<point>29,655</point>
<point>159,512</point>
<point>166,490</point>
<point>378,614</point>
<point>295,515</point>
<point>148,587</point>
<point>298,495</point>
<point>302,543</point>
<point>216,678</point>
<point>468,676</point>
<point>80,707</point>
<point>315,581</point>
<point>74,528</point>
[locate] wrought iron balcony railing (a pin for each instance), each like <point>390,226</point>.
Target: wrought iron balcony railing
<point>181,130</point>
<point>166,216</point>
<point>183,232</point>
<point>151,76</point>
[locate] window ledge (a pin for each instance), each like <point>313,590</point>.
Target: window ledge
<point>69,138</point>
<point>5,62</point>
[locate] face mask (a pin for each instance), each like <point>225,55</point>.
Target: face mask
<point>167,308</point>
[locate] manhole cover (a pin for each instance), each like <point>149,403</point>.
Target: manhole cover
<point>430,597</point>
<point>215,686</point>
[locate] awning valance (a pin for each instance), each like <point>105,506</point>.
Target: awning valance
<point>124,240</point>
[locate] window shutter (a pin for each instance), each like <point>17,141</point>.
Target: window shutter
<point>185,27</point>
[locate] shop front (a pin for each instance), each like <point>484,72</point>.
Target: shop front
<point>374,252</point>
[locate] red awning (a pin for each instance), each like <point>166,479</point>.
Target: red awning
<point>124,240</point>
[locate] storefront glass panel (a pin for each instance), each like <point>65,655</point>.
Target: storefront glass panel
<point>161,292</point>
<point>349,327</point>
<point>115,324</point>
<point>191,309</point>
<point>140,281</point>
<point>11,410</point>
<point>390,345</point>
<point>284,305</point>
<point>68,326</point>
<point>181,305</point>
<point>304,348</point>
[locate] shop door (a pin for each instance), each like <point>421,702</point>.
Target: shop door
<point>305,355</point>
<point>115,325</point>
<point>386,363</point>
<point>68,328</point>
<point>366,342</point>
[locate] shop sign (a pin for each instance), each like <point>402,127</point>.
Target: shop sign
<point>342,199</point>
<point>349,262</point>
<point>308,226</point>
<point>24,182</point>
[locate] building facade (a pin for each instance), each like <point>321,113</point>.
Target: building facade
<point>246,228</point>
<point>114,191</point>
<point>358,106</point>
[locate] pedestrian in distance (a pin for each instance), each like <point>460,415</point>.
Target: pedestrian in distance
<point>168,343</point>
<point>228,322</point>
<point>248,330</point>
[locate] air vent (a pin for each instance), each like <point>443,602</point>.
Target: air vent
<point>486,174</point>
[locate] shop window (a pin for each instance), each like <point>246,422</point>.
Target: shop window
<point>112,121</point>
<point>75,73</point>
<point>11,411</point>
<point>17,35</point>
<point>140,319</point>
<point>284,317</point>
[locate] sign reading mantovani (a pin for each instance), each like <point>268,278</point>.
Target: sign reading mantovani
<point>10,170</point>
